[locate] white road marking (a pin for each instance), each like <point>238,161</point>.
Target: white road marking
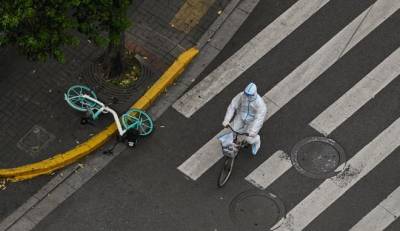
<point>300,78</point>
<point>249,54</point>
<point>270,170</point>
<point>382,215</point>
<point>203,159</point>
<point>332,189</point>
<point>359,95</point>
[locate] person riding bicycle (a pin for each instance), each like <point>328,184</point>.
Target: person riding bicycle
<point>250,112</point>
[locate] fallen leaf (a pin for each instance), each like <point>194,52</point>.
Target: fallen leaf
<point>3,185</point>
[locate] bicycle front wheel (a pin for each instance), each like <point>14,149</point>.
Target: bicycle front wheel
<point>75,99</point>
<point>226,171</point>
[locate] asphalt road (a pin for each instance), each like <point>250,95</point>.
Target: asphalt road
<point>143,190</point>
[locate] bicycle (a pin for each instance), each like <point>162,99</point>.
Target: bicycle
<point>84,99</point>
<point>230,153</point>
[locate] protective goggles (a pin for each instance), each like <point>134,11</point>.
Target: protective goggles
<point>248,95</point>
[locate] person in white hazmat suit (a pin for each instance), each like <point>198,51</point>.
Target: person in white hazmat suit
<point>250,111</point>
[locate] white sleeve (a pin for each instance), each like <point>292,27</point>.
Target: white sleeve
<point>232,108</point>
<point>259,117</point>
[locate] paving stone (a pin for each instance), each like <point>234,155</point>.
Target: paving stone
<point>51,185</point>
<point>41,210</point>
<point>176,51</point>
<point>60,193</point>
<point>248,5</point>
<point>19,213</point>
<point>225,32</point>
<point>22,224</point>
<point>80,176</point>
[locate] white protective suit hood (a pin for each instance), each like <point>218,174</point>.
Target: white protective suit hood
<point>251,91</point>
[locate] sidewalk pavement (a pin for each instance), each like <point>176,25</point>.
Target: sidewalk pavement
<point>36,122</point>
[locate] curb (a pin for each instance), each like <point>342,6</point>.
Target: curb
<point>63,159</point>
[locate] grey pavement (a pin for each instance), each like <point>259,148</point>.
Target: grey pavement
<point>141,189</point>
<point>35,121</point>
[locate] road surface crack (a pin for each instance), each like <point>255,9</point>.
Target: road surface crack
<point>355,31</point>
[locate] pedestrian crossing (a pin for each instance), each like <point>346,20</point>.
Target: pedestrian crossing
<point>299,79</point>
<point>330,119</point>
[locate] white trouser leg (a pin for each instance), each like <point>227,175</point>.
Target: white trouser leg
<point>238,124</point>
<point>255,143</point>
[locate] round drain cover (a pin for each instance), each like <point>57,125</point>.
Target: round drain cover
<point>317,157</point>
<point>256,210</point>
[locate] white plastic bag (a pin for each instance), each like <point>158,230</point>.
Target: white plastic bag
<point>226,139</point>
<point>228,147</point>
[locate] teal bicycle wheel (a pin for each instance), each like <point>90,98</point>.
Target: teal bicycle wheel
<point>75,99</point>
<point>139,120</point>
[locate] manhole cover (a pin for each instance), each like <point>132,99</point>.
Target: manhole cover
<point>317,157</point>
<point>35,140</point>
<point>256,210</point>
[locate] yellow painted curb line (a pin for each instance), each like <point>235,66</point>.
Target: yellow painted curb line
<point>63,159</point>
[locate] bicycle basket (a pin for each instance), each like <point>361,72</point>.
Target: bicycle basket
<point>230,151</point>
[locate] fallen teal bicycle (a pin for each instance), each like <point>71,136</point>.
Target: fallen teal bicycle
<point>83,99</point>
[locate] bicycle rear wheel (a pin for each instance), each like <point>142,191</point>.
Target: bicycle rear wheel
<point>139,120</point>
<point>226,171</point>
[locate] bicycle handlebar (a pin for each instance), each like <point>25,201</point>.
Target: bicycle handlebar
<point>245,133</point>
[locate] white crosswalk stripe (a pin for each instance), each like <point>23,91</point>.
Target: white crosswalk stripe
<point>382,215</point>
<point>300,78</point>
<point>249,54</point>
<point>270,170</point>
<point>203,159</point>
